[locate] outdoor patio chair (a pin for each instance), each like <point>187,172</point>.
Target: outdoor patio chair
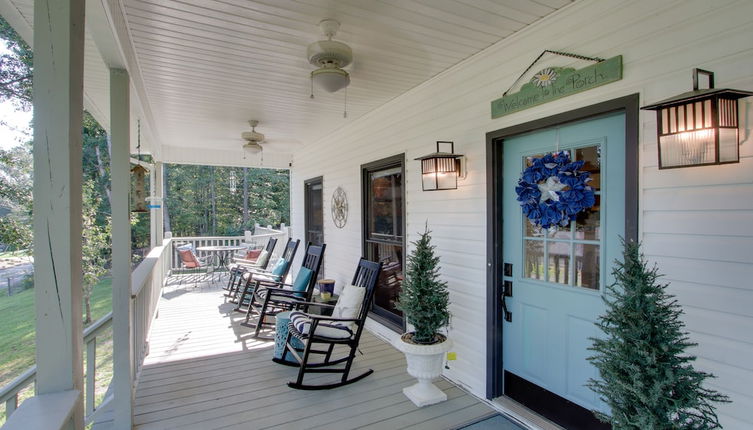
<point>271,298</point>
<point>343,328</point>
<point>278,274</point>
<point>235,279</point>
<point>190,262</point>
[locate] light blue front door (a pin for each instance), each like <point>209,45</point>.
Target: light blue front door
<point>558,278</point>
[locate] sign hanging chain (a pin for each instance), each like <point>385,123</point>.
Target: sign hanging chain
<point>564,54</point>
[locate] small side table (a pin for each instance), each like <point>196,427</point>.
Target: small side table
<point>281,333</point>
<point>323,310</point>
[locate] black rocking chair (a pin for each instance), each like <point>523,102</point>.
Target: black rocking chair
<point>235,280</point>
<point>277,274</point>
<point>271,298</point>
<point>329,332</point>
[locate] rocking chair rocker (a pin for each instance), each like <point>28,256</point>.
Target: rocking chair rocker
<point>344,328</point>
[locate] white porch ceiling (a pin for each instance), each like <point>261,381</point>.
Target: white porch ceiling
<point>208,66</point>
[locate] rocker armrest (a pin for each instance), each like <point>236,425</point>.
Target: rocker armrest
<point>326,305</point>
<point>258,270</point>
<point>280,291</point>
<point>267,283</point>
<point>326,318</point>
<point>244,262</point>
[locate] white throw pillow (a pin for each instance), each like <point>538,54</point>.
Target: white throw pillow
<point>349,303</point>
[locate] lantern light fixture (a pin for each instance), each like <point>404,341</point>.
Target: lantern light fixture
<point>699,127</point>
<point>440,170</point>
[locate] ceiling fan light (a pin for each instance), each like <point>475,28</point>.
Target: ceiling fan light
<point>331,79</point>
<point>253,148</point>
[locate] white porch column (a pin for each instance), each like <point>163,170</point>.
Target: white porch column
<point>158,220</point>
<point>120,172</point>
<point>58,110</point>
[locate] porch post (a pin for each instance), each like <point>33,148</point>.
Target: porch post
<point>120,172</point>
<point>157,215</point>
<point>58,111</point>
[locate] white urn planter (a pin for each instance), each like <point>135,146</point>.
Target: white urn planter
<point>425,363</point>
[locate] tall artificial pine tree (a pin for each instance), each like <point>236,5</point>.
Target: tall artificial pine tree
<point>424,297</point>
<point>647,378</point>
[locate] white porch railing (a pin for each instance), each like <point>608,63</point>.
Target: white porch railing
<point>259,239</point>
<point>146,284</point>
<point>10,393</point>
<point>147,281</point>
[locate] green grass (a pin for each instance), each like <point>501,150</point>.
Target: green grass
<point>17,335</point>
<point>19,253</point>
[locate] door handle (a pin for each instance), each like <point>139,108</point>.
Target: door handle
<point>506,292</point>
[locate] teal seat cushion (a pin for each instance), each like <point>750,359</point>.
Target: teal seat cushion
<point>302,280</point>
<point>280,267</point>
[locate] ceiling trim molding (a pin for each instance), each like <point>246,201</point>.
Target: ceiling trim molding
<point>11,14</point>
<point>109,29</point>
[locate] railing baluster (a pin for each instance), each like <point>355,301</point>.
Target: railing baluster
<point>91,369</point>
<point>11,405</point>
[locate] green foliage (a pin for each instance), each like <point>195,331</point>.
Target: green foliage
<point>16,68</point>
<point>424,297</point>
<point>647,379</point>
<point>96,252</point>
<point>15,197</point>
<point>208,200</point>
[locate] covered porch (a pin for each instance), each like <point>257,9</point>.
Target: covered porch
<point>205,370</point>
<point>180,80</point>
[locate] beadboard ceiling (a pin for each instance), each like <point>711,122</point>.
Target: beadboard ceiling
<point>208,66</point>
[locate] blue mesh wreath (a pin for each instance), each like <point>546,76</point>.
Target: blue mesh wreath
<point>553,190</point>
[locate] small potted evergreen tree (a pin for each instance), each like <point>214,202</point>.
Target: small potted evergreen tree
<point>647,379</point>
<point>424,300</point>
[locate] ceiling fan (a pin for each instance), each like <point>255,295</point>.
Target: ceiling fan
<point>253,138</point>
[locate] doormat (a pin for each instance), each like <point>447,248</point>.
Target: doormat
<point>494,422</point>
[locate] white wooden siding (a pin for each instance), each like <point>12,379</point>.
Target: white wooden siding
<point>695,223</point>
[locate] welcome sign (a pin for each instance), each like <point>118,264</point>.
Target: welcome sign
<point>555,83</point>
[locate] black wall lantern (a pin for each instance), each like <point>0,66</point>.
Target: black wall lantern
<point>698,128</point>
<point>440,170</point>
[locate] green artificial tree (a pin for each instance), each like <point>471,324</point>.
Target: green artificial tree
<point>647,379</point>
<point>424,298</point>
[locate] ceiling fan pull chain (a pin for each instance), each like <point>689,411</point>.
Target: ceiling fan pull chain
<point>345,105</point>
<point>312,86</point>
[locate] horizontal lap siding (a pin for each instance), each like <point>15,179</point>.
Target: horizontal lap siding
<point>695,223</point>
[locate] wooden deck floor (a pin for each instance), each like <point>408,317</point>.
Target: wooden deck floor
<point>204,371</point>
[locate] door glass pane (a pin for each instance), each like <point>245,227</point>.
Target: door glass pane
<point>385,222</point>
<point>531,231</point>
<point>391,277</point>
<point>587,266</point>
<point>561,233</point>
<point>314,213</point>
<point>534,259</point>
<point>592,157</point>
<point>588,223</point>
<point>558,264</point>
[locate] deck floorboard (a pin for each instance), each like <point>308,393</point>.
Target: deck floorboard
<point>205,371</point>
